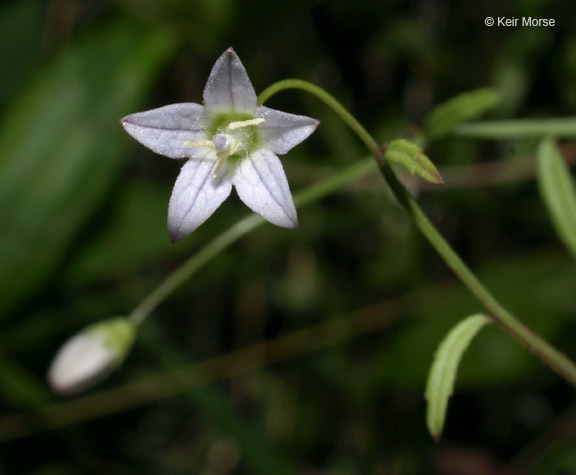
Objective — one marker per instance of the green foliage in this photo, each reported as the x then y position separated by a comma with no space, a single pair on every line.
442,375
518,128
60,148
19,43
466,106
301,351
412,157
557,190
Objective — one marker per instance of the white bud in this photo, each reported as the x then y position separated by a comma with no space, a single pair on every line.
91,355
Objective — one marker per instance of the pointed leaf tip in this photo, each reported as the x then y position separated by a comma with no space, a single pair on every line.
461,108
411,157
442,374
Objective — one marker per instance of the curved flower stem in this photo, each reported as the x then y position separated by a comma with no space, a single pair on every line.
333,103
538,346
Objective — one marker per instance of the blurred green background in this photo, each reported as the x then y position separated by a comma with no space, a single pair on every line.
83,237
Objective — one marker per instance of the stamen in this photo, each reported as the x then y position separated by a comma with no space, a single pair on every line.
202,143
245,123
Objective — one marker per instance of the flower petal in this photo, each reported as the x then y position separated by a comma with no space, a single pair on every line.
196,195
228,88
165,130
261,183
81,362
282,131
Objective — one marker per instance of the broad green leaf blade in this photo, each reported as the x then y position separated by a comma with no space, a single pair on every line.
520,128
61,147
444,367
411,156
557,190
467,106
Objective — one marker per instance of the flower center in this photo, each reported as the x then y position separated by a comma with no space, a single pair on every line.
241,127
224,144
234,136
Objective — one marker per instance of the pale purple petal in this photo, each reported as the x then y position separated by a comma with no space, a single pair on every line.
283,131
228,88
196,195
261,183
167,129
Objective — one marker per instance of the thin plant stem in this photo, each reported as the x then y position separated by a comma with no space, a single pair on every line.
511,129
556,360
182,273
193,376
356,126
241,228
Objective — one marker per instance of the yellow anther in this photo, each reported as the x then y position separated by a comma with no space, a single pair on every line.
245,123
201,143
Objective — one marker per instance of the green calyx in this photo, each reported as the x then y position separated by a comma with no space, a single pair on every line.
117,334
246,136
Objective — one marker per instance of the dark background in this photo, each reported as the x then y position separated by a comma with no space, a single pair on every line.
83,238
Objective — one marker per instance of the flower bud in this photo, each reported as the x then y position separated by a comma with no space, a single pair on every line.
91,355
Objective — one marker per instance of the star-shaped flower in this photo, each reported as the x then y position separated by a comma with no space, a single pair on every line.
227,141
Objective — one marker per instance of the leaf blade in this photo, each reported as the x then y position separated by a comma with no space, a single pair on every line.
411,157
517,128
466,106
442,373
557,190
61,147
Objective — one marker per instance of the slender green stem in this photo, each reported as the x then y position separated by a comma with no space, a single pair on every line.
242,227
507,129
182,273
542,349
333,103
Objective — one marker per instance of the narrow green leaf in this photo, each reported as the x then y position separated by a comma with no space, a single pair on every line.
518,128
557,190
467,106
411,156
444,367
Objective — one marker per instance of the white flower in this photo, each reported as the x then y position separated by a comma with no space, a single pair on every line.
228,141
91,355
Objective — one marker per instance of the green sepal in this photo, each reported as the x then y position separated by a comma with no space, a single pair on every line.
467,106
118,335
411,156
443,371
